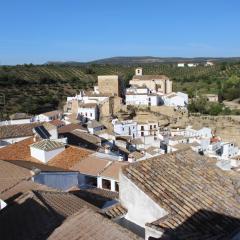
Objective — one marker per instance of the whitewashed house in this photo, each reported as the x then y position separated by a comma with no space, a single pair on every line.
198,132
178,99
88,111
181,64
148,128
192,64
125,128
209,63
46,149
18,118
94,126
228,150
49,116
142,97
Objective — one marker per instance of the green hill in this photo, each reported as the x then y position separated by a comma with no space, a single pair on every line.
38,88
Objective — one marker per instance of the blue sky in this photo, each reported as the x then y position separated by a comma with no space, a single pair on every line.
76,30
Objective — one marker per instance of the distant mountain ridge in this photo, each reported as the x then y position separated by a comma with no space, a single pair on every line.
146,60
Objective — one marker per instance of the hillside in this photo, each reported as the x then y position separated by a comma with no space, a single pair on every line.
146,60
37,88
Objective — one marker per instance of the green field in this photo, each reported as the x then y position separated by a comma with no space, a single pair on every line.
38,88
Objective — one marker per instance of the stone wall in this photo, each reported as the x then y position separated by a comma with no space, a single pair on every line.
109,84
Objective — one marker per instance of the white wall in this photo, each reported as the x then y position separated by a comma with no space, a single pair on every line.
89,113
142,100
2,204
141,208
54,133
147,129
7,141
45,156
93,130
16,121
124,128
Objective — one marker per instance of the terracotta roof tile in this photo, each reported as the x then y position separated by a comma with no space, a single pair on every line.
87,224
58,123
70,127
185,183
114,212
96,196
112,171
18,151
91,165
65,160
69,157
11,175
36,214
18,130
52,113
47,145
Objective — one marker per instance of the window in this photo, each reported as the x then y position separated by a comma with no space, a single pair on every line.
142,134
106,184
90,114
155,126
151,127
92,181
142,128
86,114
116,187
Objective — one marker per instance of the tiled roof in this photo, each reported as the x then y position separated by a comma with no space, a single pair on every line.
152,150
184,184
14,180
17,190
87,224
36,214
64,160
35,165
96,196
91,165
112,171
114,212
48,145
137,155
18,130
57,123
149,77
69,157
18,151
52,113
11,175
87,136
70,127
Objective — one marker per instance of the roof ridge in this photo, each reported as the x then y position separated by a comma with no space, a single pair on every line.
107,166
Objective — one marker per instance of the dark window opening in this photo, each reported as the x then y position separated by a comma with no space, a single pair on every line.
106,184
92,181
116,187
